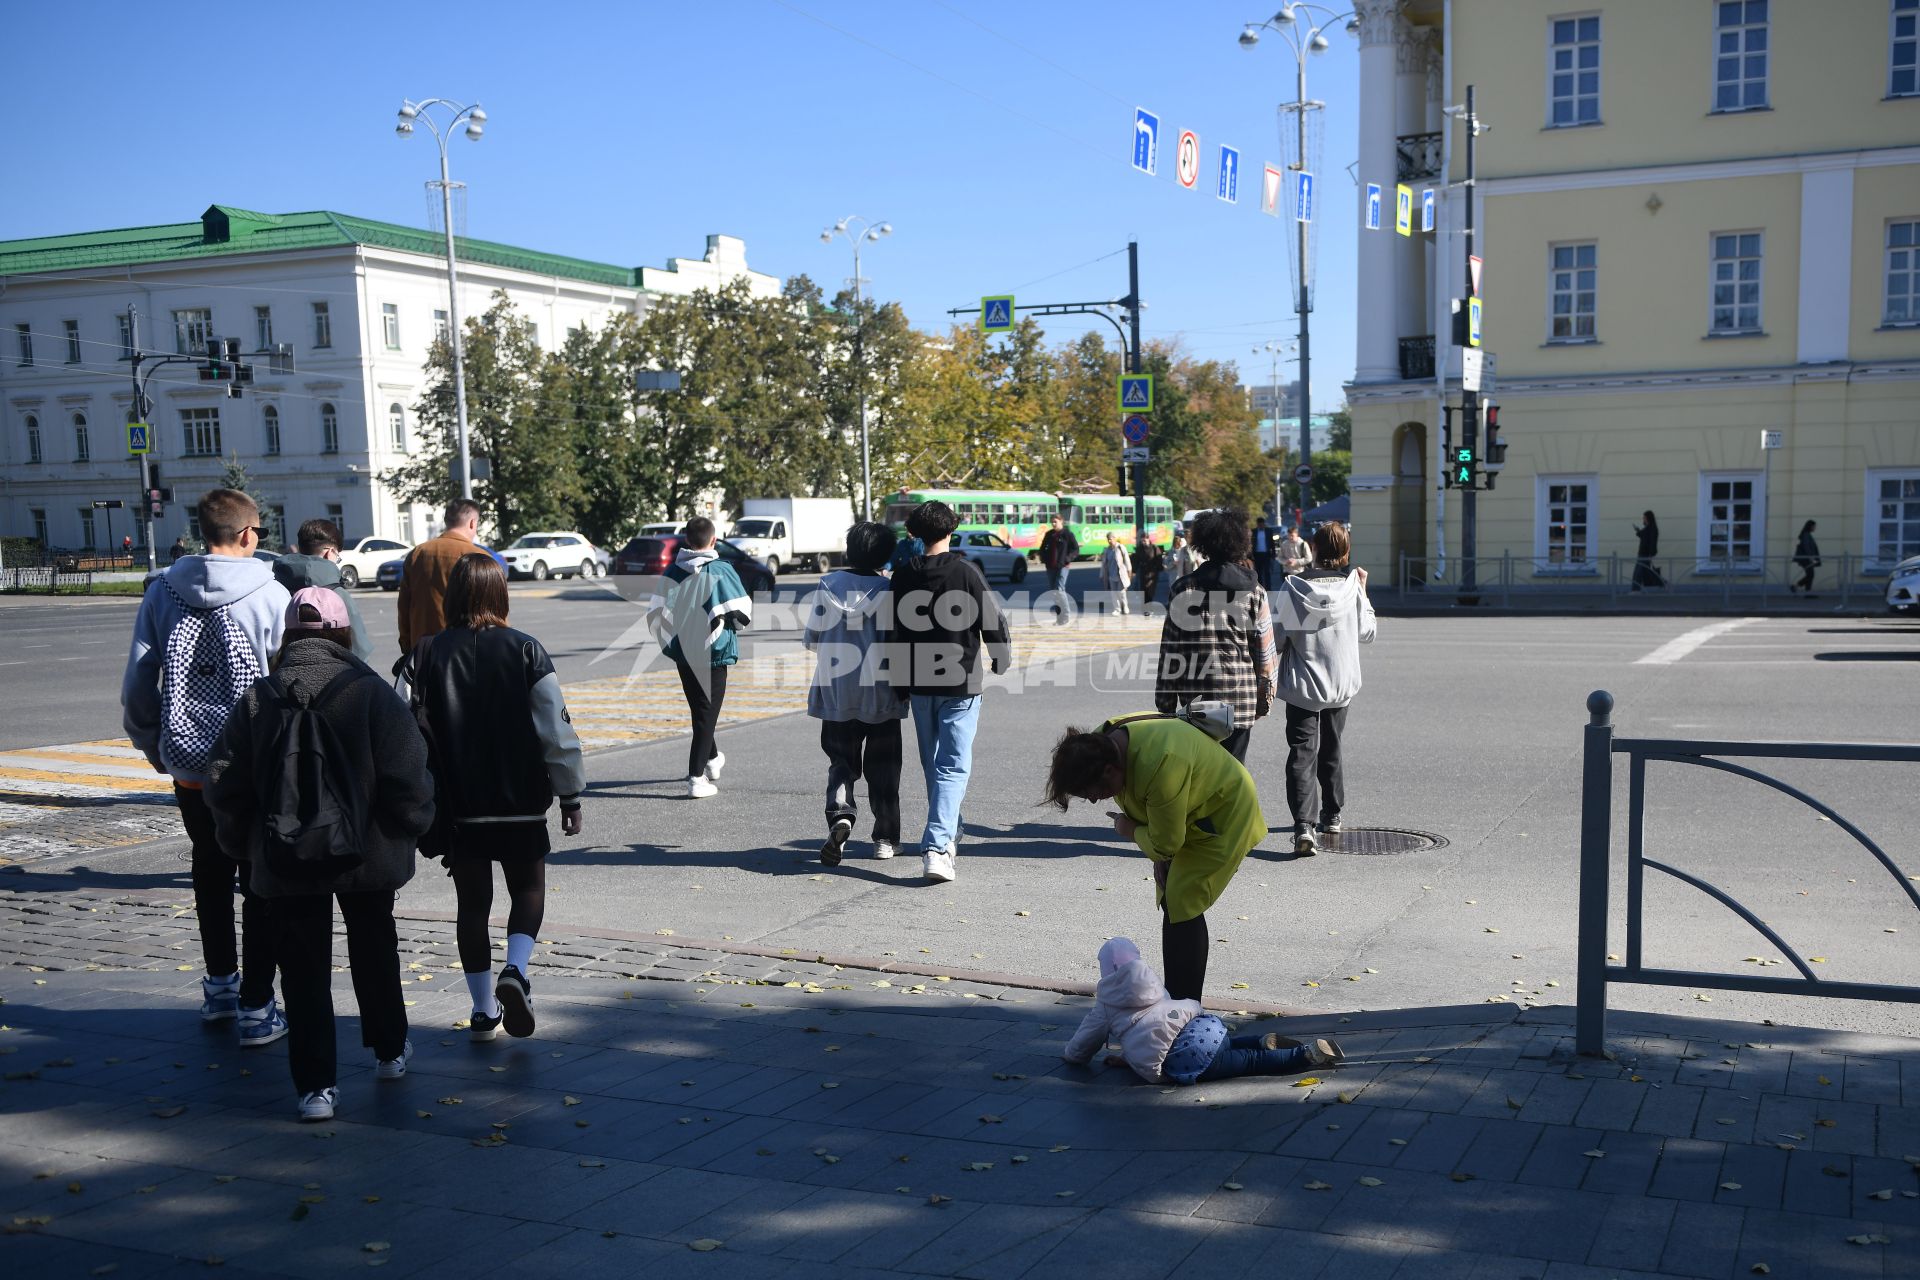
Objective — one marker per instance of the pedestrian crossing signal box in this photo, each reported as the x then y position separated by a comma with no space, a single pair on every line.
1462,468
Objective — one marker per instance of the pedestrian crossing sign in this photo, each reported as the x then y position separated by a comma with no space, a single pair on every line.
1136,393
1473,322
996,314
138,440
1403,209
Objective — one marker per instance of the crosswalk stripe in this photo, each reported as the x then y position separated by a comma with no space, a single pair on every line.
48,782
132,765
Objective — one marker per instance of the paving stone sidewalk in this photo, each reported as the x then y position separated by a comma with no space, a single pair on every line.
701,1111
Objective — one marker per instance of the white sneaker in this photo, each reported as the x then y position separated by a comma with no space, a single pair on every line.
318,1105
715,765
700,788
936,865
394,1068
885,849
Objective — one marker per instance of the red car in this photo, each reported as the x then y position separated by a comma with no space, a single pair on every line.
652,553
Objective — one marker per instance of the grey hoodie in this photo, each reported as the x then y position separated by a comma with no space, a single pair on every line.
294,571
842,627
1325,616
253,599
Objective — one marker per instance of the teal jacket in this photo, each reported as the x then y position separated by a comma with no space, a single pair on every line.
702,606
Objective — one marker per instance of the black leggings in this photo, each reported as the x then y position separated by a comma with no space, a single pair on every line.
473,889
1183,950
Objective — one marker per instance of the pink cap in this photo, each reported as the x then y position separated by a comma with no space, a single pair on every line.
317,609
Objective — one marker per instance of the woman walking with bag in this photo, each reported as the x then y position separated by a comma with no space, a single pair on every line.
1648,533
1326,617
326,813
1806,558
504,748
1217,641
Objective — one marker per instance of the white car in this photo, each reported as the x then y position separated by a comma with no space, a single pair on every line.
360,563
558,554
995,558
660,530
1903,586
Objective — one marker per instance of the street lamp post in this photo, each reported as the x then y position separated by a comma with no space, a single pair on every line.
1295,22
1274,350
476,121
866,231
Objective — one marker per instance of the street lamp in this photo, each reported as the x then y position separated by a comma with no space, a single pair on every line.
856,235
476,122
1296,24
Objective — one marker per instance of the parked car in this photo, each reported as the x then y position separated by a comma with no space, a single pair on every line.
554,554
651,556
1903,586
662,529
360,562
388,574
991,552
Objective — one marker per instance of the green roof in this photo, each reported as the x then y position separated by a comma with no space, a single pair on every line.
223,231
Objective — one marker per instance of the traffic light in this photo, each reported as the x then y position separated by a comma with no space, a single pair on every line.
217,368
1496,454
1123,479
1462,468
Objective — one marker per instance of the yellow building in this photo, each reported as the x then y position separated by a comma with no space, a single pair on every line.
1700,221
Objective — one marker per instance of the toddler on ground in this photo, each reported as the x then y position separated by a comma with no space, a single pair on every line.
1168,1041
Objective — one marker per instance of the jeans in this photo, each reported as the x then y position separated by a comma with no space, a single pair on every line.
1246,1056
214,875
1316,785
855,748
705,692
944,728
303,927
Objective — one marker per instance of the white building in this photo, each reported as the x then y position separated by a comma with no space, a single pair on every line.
361,302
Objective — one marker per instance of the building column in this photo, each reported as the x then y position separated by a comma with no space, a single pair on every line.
1410,117
1377,346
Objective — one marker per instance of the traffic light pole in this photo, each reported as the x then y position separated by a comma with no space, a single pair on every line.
1469,400
141,413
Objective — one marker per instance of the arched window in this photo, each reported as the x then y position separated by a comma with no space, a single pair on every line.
270,420
82,446
397,425
33,439
329,429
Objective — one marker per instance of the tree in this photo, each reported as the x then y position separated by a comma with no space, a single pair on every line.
235,476
1341,436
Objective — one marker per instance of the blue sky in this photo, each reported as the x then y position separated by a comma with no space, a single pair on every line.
996,139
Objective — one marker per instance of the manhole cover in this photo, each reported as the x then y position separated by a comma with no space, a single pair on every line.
1374,841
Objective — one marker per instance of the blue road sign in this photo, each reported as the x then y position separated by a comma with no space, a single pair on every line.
1426,209
1146,140
1136,393
1373,206
1134,429
1303,197
1474,316
1229,185
996,314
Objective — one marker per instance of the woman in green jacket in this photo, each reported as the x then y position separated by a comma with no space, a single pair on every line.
1189,806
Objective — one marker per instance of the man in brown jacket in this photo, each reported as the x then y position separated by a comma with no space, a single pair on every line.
423,582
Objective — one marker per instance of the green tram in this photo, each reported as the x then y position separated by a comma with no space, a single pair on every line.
1019,519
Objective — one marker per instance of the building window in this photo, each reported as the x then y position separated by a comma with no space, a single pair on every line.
1736,282
337,515
397,426
1903,272
1732,519
1903,57
439,326
270,420
1563,523
263,328
73,341
86,527
193,523
82,445
191,329
1571,286
200,428
322,326
1573,77
390,322
329,430
1739,55
33,439
126,336
39,525
25,334
276,524
1893,516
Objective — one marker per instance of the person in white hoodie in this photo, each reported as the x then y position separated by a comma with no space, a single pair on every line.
205,631
1168,1041
859,710
1325,616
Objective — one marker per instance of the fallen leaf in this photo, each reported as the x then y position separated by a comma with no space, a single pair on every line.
1023,913
1886,1194
1460,1177
1307,1082
1396,1142
1596,1154
1231,1186
990,1120
569,1101
1064,1147
1021,1159
1062,1195
1821,1080
1317,1185
1818,959
707,1245
376,1246
168,1113
1729,1186
593,1164
937,1198
977,1166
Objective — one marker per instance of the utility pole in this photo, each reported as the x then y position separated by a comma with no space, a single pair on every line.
1469,400
1306,315
142,412
1133,366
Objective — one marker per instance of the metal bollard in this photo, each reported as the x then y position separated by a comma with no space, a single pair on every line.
1596,816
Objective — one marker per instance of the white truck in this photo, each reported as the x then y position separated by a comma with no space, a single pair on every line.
790,533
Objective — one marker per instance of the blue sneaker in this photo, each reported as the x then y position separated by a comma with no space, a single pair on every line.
261,1026
219,998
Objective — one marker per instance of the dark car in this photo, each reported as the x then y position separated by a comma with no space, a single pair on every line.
652,554
389,574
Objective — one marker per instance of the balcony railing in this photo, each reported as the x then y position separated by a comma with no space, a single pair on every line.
1418,156
1416,358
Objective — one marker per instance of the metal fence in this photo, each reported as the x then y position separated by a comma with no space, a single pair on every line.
1844,580
1596,865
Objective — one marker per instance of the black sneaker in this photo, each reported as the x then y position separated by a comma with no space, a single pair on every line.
1330,824
837,838
515,995
483,1028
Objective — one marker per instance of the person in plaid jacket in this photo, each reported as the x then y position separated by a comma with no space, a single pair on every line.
1217,641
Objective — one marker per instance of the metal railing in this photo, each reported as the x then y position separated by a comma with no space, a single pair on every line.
1844,580
1416,156
1416,358
1596,865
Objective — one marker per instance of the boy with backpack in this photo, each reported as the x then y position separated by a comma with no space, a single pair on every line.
703,605
320,782
204,633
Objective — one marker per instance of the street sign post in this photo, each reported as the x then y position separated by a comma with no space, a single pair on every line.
139,439
1768,440
1186,159
1135,428
1146,141
1472,366
1403,208
1373,206
1136,393
1228,187
1135,455
996,314
1303,196
1303,474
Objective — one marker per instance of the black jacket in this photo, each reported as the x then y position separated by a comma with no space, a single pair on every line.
374,726
1058,548
933,642
503,742
1649,540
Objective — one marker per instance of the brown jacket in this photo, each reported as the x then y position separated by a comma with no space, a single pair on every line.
423,587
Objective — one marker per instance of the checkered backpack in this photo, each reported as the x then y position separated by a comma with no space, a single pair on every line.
209,666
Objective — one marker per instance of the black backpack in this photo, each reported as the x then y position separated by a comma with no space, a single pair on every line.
313,809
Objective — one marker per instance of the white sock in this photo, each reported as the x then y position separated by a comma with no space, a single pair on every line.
480,987
519,950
